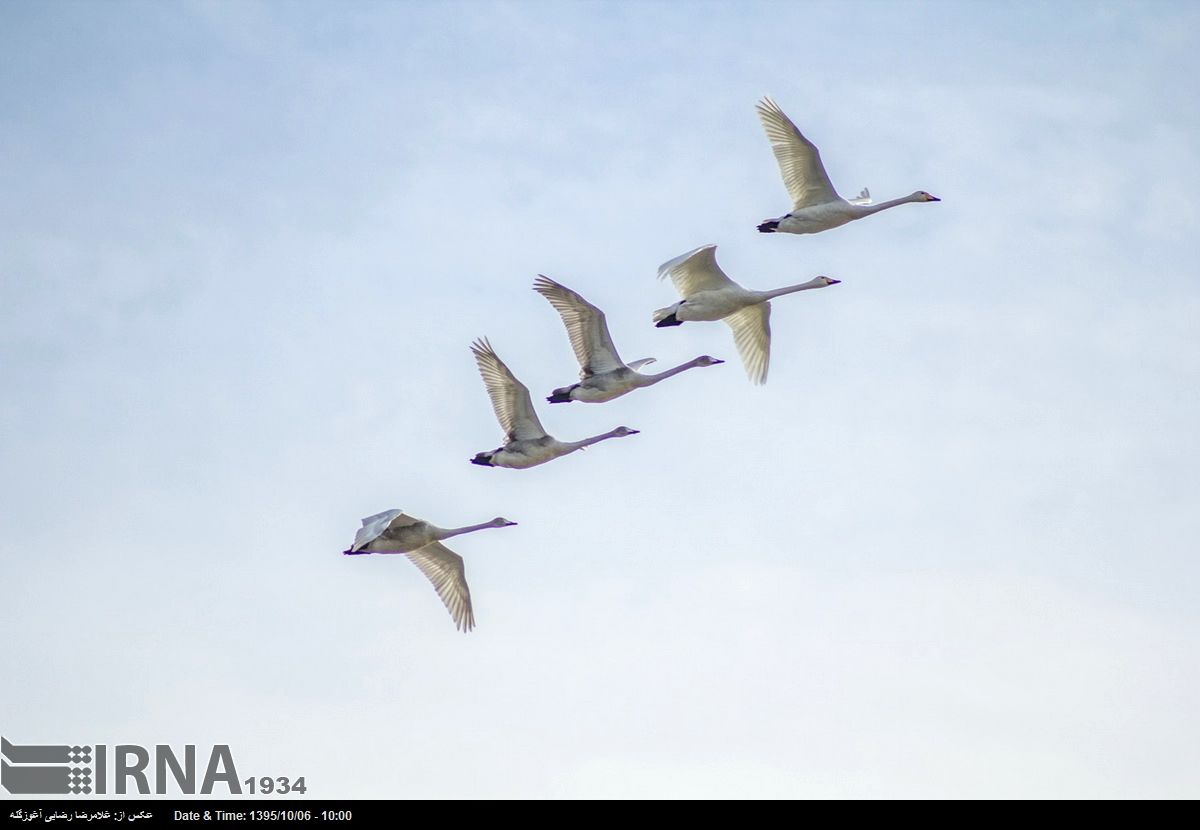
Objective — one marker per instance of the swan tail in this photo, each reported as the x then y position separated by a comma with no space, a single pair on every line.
666,316
770,226
562,395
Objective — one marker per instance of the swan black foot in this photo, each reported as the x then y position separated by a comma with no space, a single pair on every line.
484,459
769,226
672,320
561,395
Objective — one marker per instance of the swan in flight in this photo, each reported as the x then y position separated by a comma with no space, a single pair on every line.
708,294
816,205
394,532
526,442
602,374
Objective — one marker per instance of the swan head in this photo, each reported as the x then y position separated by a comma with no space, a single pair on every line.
621,432
922,196
824,281
499,521
705,360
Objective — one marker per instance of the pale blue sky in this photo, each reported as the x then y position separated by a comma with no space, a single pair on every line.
949,549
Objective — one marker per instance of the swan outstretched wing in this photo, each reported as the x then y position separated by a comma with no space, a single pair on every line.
374,526
510,398
444,569
586,327
863,198
752,334
696,271
799,159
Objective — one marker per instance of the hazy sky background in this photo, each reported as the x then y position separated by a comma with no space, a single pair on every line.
949,550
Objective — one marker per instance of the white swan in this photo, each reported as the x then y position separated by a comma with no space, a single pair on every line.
708,294
527,443
602,374
394,532
816,205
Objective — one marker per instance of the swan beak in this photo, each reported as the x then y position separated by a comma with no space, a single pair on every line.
832,281
510,524
934,199
634,431
717,360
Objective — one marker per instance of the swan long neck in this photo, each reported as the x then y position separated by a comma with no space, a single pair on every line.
595,439
446,533
789,289
650,379
867,210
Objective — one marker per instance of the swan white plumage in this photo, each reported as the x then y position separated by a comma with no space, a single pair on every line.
392,531
816,205
602,374
527,443
709,294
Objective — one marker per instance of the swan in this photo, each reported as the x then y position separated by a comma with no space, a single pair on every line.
392,531
708,294
816,205
602,374
527,443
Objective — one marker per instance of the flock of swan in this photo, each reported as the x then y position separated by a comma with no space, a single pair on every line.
707,293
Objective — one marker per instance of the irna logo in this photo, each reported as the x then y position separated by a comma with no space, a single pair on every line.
122,769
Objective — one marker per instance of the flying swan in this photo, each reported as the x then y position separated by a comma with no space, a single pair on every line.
602,374
708,294
394,532
816,205
526,441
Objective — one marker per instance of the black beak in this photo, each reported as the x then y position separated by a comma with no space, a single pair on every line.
834,282
934,199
